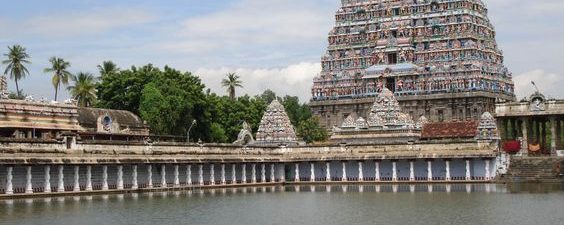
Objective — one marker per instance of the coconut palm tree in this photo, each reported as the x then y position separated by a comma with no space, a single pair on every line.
17,57
59,68
107,67
231,82
83,89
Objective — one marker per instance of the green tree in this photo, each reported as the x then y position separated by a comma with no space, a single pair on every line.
84,89
108,67
59,68
218,133
169,100
310,130
153,108
17,57
231,83
296,112
268,95
123,90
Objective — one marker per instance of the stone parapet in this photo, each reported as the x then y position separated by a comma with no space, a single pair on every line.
92,153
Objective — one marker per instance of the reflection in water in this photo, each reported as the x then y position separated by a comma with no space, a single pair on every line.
402,204
393,188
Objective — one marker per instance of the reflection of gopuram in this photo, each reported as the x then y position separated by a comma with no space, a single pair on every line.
439,58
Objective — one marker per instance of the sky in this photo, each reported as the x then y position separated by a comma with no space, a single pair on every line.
271,44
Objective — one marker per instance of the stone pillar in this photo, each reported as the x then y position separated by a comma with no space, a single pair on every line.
297,172
244,174
447,164
553,135
188,174
28,185
254,173
105,178
430,170
76,181
176,176
233,173
163,176
312,172
134,184
525,131
201,174
344,177
394,171
9,177
487,175
150,176
377,170
47,184
411,170
360,173
263,173
222,173
281,172
272,176
89,178
468,175
61,183
120,177
212,174
328,171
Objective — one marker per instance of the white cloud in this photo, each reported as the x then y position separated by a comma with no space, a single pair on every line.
549,84
74,23
292,80
250,24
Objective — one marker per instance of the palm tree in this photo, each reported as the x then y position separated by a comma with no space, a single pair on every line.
231,82
84,89
59,68
107,67
17,57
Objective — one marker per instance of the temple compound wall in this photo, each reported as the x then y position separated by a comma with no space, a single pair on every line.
42,168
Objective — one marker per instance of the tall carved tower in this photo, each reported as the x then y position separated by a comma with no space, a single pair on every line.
439,58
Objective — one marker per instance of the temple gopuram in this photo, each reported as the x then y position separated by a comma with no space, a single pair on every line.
439,58
275,127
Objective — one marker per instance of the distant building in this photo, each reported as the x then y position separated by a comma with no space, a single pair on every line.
31,119
440,58
532,125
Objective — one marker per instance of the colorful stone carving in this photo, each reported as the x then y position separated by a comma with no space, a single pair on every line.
3,88
275,126
385,114
449,45
487,128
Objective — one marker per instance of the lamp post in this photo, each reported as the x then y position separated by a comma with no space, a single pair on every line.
190,128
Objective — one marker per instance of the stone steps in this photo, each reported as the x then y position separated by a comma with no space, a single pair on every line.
537,169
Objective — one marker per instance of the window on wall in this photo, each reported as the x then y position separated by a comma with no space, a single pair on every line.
392,58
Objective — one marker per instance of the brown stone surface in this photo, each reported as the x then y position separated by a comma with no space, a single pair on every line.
464,129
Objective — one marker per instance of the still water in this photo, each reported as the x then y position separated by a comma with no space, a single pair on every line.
327,205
